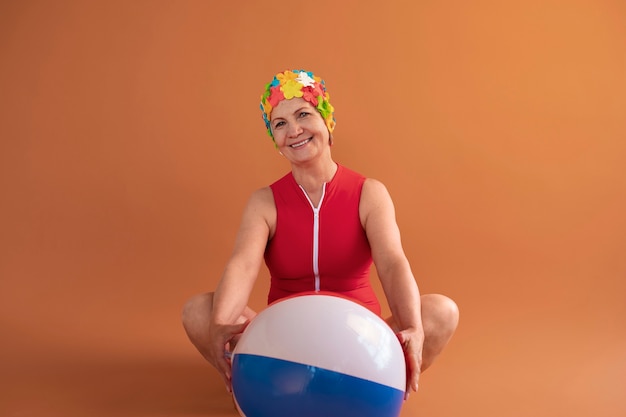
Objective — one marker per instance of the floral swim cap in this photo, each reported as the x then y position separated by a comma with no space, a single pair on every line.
297,83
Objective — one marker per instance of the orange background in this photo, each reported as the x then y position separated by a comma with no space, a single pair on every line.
131,139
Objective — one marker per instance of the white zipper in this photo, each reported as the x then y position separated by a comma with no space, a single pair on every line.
316,235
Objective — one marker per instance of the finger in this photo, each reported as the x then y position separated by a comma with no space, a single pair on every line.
224,370
413,383
401,338
409,375
409,356
412,370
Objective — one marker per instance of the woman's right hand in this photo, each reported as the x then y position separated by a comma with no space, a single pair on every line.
220,336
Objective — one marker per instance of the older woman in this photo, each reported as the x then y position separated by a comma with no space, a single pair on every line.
319,228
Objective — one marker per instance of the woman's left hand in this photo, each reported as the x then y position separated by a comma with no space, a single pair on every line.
412,345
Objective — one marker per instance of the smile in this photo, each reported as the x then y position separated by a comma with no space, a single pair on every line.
300,144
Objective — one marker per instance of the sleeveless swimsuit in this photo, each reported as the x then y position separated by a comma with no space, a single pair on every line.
322,248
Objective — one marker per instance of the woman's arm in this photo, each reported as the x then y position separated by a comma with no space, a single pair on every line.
240,273
378,218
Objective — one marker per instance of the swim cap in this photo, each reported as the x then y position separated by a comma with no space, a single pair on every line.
298,83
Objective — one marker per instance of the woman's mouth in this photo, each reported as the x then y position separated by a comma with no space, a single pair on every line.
300,144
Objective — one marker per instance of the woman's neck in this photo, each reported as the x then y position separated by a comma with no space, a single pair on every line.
312,176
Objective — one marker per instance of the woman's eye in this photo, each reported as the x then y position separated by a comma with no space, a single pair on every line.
304,114
278,124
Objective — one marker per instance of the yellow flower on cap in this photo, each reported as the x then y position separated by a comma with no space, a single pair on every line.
291,89
298,83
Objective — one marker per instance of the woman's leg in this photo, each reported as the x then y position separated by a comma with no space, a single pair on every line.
440,317
196,318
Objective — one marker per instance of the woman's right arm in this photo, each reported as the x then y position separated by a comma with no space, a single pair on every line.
237,281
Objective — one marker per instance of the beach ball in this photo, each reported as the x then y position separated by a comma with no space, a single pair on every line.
318,355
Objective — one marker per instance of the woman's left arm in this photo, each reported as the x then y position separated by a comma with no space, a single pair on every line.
378,217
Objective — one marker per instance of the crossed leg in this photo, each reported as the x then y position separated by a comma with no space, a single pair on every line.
440,317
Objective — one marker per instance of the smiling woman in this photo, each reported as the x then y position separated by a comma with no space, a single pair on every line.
319,228
295,84
299,131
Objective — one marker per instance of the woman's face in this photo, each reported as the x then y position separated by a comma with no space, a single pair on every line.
299,130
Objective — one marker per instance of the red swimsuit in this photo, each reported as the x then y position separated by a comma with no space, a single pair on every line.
324,248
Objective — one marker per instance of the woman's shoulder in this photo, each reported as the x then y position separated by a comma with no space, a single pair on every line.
371,187
261,197
348,172
373,182
374,193
261,208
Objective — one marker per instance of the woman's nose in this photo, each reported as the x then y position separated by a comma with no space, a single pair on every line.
294,129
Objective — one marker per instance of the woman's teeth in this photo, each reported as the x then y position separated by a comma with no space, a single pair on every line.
299,144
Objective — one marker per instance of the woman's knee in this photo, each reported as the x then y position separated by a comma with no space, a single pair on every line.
198,305
440,312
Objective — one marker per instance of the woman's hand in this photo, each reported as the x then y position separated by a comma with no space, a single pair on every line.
220,336
412,343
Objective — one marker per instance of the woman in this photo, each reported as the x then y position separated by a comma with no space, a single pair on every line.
318,228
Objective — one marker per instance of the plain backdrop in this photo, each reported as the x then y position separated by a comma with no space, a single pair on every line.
131,138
